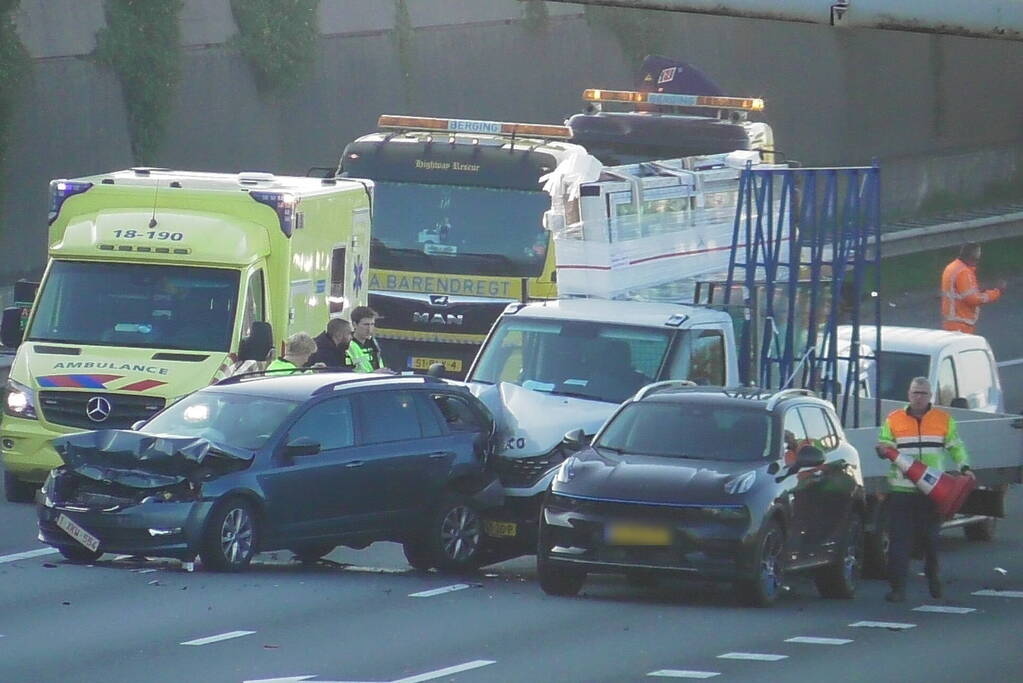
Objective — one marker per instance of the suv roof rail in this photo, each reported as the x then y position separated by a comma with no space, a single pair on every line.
662,386
283,372
788,393
372,377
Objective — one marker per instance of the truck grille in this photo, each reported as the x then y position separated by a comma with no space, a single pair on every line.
70,408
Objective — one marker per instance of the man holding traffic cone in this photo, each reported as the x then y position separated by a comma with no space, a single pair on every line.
926,433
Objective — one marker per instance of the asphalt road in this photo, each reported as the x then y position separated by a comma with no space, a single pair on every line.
357,617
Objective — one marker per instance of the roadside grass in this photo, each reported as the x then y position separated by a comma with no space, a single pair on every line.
922,270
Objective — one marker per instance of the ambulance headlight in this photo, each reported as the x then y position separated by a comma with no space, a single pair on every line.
20,401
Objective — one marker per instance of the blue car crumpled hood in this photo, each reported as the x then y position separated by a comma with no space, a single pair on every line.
137,460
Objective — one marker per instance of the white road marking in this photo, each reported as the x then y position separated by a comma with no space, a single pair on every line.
682,673
999,594
882,624
27,555
944,609
753,656
440,673
1007,363
286,679
440,591
810,640
217,638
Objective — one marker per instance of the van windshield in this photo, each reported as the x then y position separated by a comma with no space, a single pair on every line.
143,306
898,370
597,361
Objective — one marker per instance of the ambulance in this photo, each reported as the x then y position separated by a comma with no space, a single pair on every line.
160,282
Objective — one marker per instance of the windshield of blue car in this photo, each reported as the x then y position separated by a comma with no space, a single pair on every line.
136,305
597,361
458,230
231,419
673,429
897,370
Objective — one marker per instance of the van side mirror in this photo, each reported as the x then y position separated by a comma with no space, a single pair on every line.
574,440
301,446
959,402
809,456
259,342
137,424
10,327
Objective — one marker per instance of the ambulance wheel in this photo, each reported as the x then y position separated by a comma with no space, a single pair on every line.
981,531
18,491
79,554
838,580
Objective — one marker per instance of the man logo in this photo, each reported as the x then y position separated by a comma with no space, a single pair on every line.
98,409
436,319
439,300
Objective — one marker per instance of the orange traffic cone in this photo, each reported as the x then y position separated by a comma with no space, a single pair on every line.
948,491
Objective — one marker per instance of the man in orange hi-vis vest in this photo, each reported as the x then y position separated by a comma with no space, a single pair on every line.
961,298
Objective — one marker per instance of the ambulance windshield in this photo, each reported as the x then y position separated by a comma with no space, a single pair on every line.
459,230
145,306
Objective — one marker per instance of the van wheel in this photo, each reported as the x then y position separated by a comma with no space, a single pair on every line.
838,580
763,589
981,531
309,554
230,539
454,535
79,554
18,491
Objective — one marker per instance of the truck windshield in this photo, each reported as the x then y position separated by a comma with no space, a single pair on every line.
898,370
459,230
685,430
597,361
144,306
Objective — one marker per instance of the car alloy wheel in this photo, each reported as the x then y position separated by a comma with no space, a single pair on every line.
231,536
839,579
456,535
762,590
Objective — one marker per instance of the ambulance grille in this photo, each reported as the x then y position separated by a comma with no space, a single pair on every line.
69,408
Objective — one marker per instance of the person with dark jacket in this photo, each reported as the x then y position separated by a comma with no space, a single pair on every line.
332,346
363,350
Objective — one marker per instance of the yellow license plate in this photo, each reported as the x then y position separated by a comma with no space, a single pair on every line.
636,534
500,529
421,363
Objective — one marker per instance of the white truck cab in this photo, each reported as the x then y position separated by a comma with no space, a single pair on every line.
961,366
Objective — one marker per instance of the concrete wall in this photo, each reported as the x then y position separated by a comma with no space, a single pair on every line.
938,112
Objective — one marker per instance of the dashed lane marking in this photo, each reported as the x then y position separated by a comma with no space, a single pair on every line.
441,673
27,555
753,656
810,640
440,591
999,594
217,638
944,609
894,625
683,673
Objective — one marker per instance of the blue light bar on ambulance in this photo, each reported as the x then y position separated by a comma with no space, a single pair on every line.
60,190
673,100
471,127
281,202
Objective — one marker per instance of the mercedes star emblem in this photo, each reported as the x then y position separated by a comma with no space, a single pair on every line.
98,408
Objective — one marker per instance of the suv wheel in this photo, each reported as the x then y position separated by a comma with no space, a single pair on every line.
418,555
229,541
875,547
79,554
555,579
18,491
838,580
454,536
763,589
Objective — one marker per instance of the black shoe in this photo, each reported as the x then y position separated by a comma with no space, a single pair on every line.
934,585
895,595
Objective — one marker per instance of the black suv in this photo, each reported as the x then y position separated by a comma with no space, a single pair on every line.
737,485
304,462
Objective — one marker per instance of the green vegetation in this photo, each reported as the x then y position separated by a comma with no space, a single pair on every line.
922,270
15,70
278,37
404,43
142,44
535,17
639,32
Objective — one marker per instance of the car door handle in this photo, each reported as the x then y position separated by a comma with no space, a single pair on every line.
355,463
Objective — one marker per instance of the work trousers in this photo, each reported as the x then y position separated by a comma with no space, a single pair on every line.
912,520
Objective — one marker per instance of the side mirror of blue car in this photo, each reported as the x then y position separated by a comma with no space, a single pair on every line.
301,446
